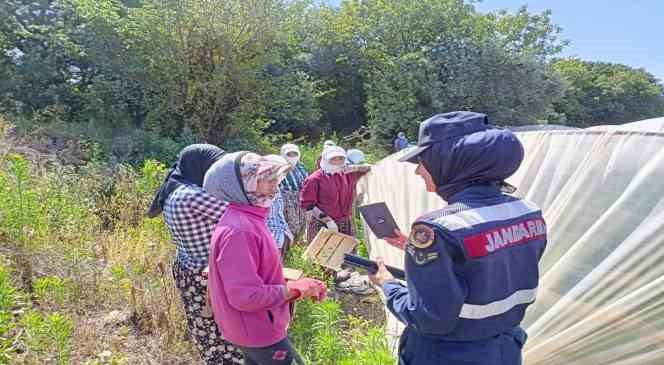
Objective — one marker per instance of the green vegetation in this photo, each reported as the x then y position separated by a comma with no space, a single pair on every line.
139,79
604,93
76,247
115,88
39,337
325,335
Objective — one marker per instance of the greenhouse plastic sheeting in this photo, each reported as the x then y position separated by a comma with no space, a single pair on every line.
648,125
601,292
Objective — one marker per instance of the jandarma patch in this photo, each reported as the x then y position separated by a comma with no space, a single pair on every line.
423,258
421,236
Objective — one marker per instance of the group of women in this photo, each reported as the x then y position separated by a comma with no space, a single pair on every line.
231,217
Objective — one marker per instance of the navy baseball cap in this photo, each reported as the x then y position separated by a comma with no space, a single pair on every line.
443,127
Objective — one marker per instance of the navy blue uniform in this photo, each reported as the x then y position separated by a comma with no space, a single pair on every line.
471,272
471,267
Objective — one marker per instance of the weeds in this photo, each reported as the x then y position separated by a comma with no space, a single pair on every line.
30,336
89,251
10,301
52,291
48,336
327,335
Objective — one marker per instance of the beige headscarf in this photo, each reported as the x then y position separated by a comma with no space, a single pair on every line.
255,168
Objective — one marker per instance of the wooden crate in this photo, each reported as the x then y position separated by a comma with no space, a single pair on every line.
329,247
292,274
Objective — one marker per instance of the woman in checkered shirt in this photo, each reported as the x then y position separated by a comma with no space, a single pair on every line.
191,215
290,190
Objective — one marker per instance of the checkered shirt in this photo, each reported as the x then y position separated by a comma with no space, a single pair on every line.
191,215
276,221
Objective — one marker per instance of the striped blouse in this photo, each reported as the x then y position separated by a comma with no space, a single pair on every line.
295,179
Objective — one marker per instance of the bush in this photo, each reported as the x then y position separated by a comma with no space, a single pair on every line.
10,300
31,336
48,336
325,335
85,233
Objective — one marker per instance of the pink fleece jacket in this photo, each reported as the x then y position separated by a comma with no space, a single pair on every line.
246,279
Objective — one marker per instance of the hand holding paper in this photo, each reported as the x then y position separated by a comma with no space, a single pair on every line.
379,219
398,241
332,226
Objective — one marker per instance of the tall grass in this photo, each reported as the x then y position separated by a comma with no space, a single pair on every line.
75,245
326,335
79,241
29,336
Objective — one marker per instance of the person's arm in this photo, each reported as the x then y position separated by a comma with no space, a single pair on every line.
433,299
361,169
303,174
309,193
202,203
281,218
356,172
309,202
276,221
309,199
237,265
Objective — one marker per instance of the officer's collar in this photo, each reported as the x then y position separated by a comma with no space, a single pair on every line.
476,192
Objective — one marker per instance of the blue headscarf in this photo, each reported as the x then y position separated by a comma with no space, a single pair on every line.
484,157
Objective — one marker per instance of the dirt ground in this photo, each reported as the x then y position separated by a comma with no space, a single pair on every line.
368,307
123,343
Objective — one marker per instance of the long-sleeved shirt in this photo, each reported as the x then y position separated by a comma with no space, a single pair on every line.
276,221
471,267
191,215
331,193
295,178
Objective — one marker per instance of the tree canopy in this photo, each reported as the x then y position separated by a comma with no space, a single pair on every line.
606,93
244,73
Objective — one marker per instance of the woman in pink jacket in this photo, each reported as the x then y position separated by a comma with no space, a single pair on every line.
250,297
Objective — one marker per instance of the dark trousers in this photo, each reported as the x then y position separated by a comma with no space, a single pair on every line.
504,349
281,353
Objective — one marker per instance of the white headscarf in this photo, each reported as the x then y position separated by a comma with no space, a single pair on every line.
328,154
288,148
329,143
355,156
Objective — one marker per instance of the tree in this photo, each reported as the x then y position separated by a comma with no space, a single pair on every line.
140,74
431,56
335,60
222,70
607,93
39,61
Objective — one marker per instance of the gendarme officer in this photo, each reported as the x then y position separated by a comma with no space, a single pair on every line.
471,267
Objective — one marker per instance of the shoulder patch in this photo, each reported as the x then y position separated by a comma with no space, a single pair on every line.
422,236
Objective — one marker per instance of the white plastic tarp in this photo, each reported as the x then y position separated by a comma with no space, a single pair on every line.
601,294
647,125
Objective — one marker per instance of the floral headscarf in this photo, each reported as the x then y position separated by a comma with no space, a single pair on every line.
255,168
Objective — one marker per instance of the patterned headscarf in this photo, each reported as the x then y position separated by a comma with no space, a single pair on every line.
255,168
